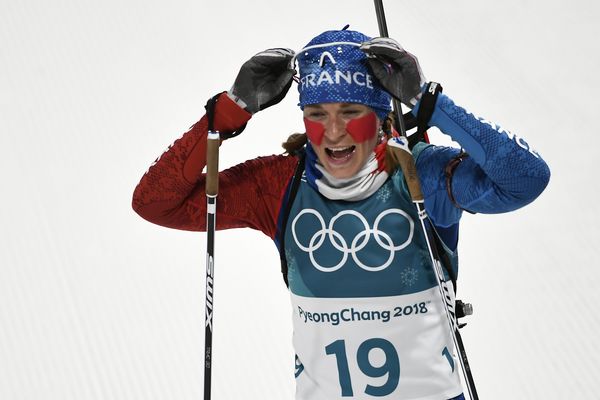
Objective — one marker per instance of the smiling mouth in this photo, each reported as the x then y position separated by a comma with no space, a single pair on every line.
340,153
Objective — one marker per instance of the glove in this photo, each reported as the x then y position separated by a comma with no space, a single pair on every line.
397,70
263,80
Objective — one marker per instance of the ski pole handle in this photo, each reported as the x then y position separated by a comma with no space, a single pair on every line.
212,164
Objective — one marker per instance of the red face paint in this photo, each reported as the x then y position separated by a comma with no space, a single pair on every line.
360,129
363,128
315,131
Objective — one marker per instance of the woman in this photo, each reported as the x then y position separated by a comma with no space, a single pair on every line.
368,317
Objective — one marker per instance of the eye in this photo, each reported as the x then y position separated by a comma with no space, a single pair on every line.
315,114
351,112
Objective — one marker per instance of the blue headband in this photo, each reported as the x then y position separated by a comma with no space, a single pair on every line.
333,70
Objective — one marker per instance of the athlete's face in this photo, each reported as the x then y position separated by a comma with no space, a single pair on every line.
343,135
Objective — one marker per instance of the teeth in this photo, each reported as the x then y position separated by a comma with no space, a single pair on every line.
341,152
339,148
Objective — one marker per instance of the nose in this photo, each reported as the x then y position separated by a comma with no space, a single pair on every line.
335,129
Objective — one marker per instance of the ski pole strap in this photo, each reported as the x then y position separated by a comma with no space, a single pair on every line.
210,107
286,213
426,109
410,122
210,111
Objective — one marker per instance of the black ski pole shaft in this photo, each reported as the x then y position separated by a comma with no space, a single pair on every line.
381,21
383,32
404,158
212,189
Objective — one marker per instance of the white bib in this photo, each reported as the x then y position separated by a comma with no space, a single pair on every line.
395,347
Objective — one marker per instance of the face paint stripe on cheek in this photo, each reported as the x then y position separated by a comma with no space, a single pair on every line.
314,130
363,128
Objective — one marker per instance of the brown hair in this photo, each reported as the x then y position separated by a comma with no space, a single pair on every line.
294,142
390,160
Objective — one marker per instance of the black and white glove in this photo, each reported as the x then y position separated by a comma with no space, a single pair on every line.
397,70
263,80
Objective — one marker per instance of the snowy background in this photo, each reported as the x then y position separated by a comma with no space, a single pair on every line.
98,304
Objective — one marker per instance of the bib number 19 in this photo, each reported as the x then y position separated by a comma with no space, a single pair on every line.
390,366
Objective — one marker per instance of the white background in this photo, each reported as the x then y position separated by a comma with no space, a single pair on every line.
96,303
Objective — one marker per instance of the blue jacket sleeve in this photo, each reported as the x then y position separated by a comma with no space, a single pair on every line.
501,174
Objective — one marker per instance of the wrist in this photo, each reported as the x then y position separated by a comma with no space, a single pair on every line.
427,103
241,103
229,115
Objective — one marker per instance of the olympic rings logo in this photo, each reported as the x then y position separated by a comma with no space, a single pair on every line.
327,231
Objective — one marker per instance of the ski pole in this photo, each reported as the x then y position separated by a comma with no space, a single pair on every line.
404,158
383,31
212,189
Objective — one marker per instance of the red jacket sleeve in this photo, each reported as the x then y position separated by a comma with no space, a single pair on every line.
171,193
